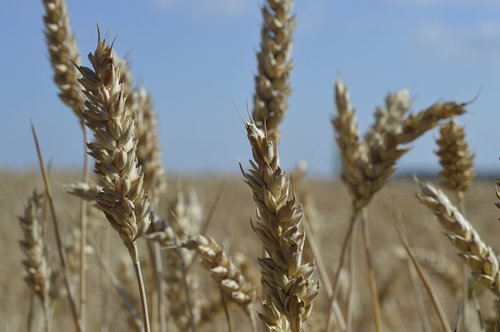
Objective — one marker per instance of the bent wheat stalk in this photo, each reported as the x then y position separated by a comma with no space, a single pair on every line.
122,198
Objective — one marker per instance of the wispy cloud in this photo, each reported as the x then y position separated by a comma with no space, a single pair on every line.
226,8
479,43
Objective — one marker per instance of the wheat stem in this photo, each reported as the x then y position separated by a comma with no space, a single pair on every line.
83,235
322,272
352,277
142,290
62,254
336,284
371,273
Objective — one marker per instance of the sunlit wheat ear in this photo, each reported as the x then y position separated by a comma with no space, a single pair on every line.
122,197
62,51
38,272
475,252
272,85
289,287
455,157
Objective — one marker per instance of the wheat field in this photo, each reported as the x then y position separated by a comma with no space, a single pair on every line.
231,227
127,246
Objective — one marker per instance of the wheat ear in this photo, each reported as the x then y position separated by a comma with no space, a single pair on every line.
368,164
455,157
122,197
228,276
272,86
38,272
473,250
289,288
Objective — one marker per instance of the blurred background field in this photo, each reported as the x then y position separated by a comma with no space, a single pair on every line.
231,227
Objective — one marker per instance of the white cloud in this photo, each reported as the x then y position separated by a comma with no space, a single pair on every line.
479,43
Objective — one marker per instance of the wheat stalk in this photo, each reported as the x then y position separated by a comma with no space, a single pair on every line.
272,86
473,250
38,271
289,288
122,198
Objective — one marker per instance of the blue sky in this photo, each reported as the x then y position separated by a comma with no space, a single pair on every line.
197,58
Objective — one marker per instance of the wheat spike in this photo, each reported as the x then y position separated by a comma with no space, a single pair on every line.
475,252
289,288
388,117
38,272
63,51
367,165
455,157
148,148
272,86
352,150
122,197
231,280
